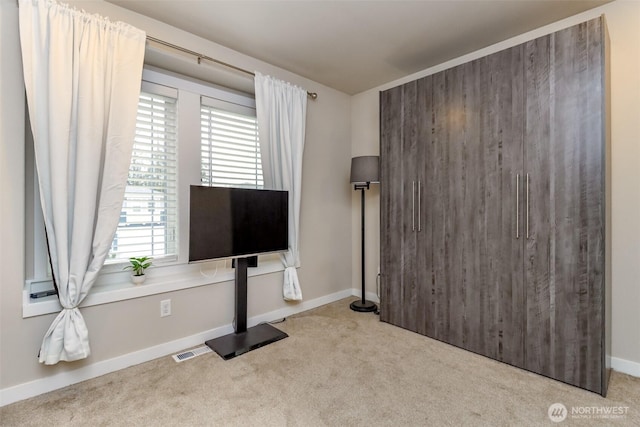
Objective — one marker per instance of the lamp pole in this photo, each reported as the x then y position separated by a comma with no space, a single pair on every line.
363,305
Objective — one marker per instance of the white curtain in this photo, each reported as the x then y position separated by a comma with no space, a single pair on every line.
281,109
82,76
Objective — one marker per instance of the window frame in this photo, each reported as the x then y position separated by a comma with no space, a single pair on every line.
168,273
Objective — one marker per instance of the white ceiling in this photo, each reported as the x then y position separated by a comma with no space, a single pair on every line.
353,45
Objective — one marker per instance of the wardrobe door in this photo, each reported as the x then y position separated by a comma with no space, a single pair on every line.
391,203
475,285
398,202
427,194
493,242
445,213
564,187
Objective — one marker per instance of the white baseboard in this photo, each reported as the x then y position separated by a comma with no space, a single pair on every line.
625,366
44,385
369,296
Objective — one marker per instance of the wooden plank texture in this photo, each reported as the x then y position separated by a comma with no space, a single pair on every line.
564,265
408,285
477,129
391,207
427,196
497,267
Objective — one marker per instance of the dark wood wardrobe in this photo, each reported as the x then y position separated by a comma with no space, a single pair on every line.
495,206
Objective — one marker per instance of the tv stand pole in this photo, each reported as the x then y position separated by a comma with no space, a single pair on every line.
243,339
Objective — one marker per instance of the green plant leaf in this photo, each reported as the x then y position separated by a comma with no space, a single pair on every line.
139,265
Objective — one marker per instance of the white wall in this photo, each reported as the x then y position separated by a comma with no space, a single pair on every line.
623,19
134,327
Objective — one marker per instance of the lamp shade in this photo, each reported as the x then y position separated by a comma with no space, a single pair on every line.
365,169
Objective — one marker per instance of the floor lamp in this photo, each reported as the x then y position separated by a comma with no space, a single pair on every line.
364,171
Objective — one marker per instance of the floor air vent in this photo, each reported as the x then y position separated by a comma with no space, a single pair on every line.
190,354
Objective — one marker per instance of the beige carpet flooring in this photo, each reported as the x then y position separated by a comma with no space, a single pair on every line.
337,368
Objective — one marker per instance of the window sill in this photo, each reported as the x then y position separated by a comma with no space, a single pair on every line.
125,290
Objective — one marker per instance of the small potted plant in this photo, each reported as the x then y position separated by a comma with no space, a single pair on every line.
138,265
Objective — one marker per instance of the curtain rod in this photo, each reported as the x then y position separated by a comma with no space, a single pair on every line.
312,95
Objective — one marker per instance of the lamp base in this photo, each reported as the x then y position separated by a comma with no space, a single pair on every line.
363,306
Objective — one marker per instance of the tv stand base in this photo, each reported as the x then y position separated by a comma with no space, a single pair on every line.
243,339
237,343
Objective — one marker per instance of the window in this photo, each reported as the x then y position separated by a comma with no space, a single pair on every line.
230,152
188,133
148,221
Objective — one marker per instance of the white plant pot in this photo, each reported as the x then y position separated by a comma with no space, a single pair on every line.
138,280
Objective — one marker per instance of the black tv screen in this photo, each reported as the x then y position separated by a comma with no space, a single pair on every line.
232,222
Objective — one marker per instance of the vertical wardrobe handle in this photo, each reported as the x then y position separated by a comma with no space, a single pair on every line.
527,219
419,221
413,206
517,206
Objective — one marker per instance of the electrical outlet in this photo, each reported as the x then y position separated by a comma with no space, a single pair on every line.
165,308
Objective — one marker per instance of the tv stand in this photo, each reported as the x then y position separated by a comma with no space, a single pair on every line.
243,339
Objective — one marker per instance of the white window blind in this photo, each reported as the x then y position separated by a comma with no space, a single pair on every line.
230,152
148,220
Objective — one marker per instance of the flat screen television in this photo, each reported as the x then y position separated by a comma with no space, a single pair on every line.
236,222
